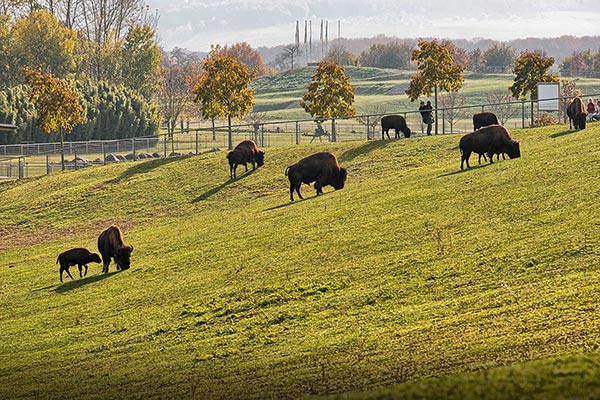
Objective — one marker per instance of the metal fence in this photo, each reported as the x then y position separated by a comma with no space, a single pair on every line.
32,159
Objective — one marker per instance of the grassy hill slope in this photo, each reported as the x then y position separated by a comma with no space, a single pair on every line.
449,283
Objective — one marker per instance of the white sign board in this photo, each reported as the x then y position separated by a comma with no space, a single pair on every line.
548,94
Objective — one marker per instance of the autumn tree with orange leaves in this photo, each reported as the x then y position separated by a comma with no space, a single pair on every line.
57,104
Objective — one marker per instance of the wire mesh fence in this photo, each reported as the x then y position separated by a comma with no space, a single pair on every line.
32,159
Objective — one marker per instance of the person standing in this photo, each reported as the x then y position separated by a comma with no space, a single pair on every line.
426,115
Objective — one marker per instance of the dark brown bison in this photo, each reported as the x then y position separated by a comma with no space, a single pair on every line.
245,152
112,245
577,113
395,122
321,168
490,140
484,119
77,256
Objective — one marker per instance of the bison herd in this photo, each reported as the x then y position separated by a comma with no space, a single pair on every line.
488,138
111,246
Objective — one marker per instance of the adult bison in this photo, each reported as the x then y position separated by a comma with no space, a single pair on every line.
244,153
321,168
490,140
577,113
395,122
484,119
112,245
77,256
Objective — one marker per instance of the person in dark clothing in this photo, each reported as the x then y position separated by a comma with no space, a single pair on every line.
426,116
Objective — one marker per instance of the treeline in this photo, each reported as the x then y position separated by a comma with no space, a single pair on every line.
106,50
112,112
583,63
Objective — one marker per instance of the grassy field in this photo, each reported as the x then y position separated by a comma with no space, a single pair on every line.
417,280
377,90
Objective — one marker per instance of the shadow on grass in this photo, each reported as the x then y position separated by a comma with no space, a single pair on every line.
147,166
77,283
461,171
222,186
563,133
291,203
364,149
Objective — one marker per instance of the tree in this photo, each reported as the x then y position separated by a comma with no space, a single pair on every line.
223,88
531,68
452,103
5,50
248,56
437,69
57,104
141,59
390,55
41,41
176,85
339,55
476,61
499,57
503,105
290,52
329,94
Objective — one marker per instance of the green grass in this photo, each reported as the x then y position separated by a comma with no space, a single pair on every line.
416,280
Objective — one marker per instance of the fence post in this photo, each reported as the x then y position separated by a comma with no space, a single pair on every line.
47,165
523,113
444,121
133,147
21,167
196,139
297,132
333,135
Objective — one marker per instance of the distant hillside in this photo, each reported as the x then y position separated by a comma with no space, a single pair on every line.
558,48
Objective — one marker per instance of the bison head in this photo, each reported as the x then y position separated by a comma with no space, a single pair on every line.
513,149
406,131
95,258
122,257
580,120
338,183
260,158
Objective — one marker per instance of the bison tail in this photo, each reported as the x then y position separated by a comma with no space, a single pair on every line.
286,171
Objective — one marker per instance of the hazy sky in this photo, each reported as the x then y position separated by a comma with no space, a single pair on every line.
196,24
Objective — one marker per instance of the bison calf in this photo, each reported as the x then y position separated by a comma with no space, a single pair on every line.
244,153
112,245
321,168
78,256
484,119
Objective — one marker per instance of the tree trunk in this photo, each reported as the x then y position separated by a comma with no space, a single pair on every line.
436,108
62,149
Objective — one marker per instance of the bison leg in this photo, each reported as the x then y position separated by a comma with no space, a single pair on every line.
465,157
385,132
105,264
491,156
67,270
296,187
80,268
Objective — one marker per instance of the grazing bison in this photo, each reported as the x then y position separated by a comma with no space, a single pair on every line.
245,152
490,140
77,256
484,119
112,245
577,113
396,122
321,168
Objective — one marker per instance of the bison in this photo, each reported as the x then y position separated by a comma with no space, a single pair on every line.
396,122
77,256
321,168
484,119
490,140
112,245
577,114
245,152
